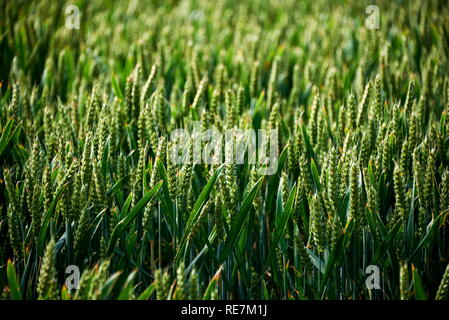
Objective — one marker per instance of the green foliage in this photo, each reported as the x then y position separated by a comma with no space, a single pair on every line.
86,117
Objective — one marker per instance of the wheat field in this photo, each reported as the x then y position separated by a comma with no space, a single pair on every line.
91,93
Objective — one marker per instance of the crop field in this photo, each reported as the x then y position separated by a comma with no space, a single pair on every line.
347,199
